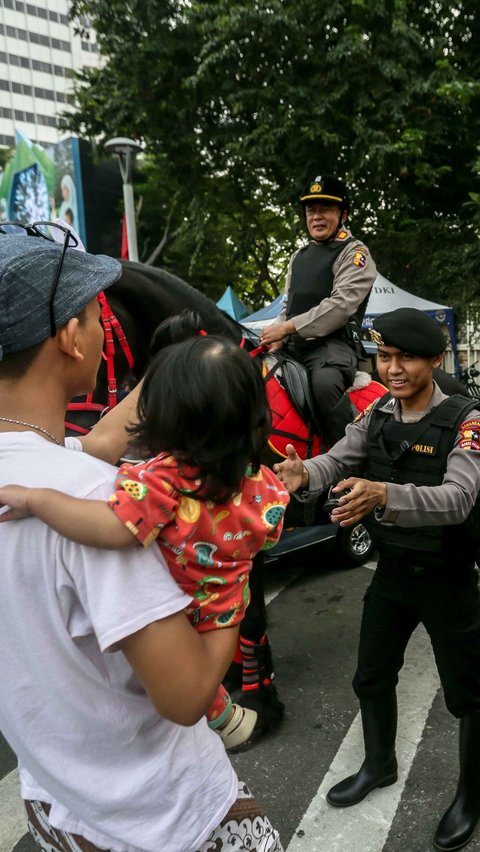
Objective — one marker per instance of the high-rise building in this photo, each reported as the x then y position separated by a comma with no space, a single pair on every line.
38,51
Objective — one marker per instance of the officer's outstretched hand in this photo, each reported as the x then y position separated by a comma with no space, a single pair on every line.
364,496
292,471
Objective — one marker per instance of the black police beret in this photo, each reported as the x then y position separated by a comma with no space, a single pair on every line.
326,189
409,330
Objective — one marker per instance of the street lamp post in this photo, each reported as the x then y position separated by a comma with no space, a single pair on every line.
125,149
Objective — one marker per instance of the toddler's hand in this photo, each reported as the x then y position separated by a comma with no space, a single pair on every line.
13,503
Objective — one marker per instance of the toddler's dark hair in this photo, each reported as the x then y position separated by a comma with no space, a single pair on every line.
203,400
175,329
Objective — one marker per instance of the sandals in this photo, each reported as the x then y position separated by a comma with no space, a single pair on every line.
239,729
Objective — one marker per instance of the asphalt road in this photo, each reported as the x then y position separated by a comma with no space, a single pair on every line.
314,614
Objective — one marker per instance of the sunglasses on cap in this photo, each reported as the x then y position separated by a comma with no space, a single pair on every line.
53,232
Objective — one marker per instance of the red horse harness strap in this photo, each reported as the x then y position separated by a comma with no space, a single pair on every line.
111,325
112,329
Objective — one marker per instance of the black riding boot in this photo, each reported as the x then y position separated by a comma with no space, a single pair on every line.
458,822
379,769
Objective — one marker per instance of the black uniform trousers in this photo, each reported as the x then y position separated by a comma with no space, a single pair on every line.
445,600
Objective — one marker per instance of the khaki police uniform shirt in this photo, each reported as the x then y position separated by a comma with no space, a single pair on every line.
408,505
354,272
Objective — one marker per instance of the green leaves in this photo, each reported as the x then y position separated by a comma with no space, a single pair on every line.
239,102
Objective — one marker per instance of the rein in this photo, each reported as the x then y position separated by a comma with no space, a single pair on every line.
112,329
260,350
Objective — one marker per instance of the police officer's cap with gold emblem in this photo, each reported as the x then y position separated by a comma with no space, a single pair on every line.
326,189
409,330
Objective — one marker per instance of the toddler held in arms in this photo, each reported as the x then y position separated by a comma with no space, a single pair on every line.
204,495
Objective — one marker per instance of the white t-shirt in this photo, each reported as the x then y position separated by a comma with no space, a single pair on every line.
88,739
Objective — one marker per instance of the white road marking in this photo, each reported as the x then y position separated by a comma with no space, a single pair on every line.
12,814
275,587
366,825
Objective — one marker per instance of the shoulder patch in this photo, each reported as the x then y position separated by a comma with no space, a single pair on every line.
359,259
469,435
364,412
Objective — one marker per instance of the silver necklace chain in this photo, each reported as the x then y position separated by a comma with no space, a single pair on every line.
32,426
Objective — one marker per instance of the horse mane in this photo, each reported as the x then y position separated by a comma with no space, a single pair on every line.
164,294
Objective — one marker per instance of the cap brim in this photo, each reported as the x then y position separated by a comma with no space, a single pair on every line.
335,199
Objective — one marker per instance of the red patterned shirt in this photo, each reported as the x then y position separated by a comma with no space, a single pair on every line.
208,546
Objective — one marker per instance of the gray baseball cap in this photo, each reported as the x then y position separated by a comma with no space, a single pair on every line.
27,274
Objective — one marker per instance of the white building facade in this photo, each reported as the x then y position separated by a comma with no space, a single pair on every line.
38,51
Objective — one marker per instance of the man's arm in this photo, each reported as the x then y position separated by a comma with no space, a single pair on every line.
179,668
315,475
109,439
418,505
135,606
347,455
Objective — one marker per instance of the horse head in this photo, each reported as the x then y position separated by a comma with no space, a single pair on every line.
140,300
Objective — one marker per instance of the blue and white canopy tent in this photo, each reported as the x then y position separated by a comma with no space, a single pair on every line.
384,297
266,314
231,304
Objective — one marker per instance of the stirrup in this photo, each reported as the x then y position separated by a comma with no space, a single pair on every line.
240,727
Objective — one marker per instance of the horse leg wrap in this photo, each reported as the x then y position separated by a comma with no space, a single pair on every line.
258,692
257,663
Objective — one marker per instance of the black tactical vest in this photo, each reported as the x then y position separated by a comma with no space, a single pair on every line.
312,281
417,453
312,276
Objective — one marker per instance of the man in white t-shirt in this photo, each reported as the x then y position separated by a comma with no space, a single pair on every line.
104,680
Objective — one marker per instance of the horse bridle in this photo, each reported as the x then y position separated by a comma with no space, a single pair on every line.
112,329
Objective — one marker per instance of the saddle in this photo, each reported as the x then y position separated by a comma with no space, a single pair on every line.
291,405
294,419
294,378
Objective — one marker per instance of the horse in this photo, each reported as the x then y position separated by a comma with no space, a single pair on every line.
142,298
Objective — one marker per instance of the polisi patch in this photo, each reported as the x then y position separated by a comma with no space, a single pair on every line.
423,449
469,435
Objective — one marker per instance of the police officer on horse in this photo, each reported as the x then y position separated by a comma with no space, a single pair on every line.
327,288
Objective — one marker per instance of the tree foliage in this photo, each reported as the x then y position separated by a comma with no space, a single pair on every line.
238,103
